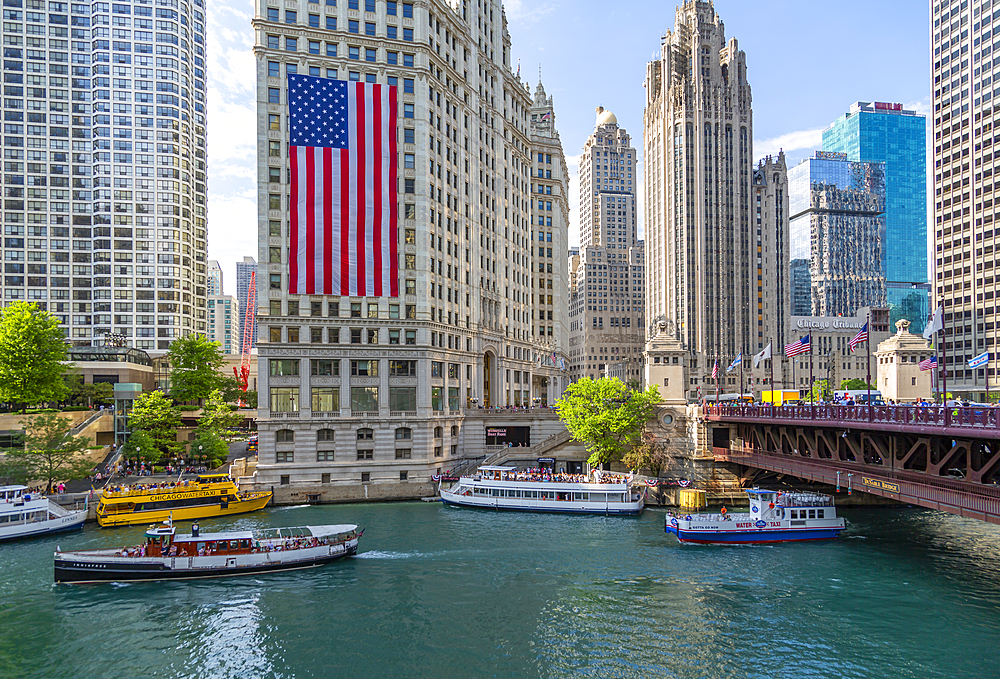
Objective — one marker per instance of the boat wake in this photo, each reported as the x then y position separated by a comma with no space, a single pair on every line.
279,509
378,554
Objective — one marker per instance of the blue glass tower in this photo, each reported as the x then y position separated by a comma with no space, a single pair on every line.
886,133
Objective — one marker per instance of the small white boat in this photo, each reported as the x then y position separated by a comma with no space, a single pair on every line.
534,491
24,514
773,517
166,555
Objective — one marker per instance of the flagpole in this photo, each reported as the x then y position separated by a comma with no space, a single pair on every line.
812,397
741,379
944,366
868,345
717,372
770,360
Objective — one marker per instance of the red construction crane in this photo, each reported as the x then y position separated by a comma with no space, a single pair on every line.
249,319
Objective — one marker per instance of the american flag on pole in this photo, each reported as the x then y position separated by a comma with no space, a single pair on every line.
715,369
799,346
928,363
862,336
343,205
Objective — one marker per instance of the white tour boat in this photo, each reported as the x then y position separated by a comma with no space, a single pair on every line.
24,514
166,555
774,516
540,491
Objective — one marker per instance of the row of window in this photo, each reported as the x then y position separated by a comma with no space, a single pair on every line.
363,399
321,367
293,334
363,434
361,454
392,8
330,49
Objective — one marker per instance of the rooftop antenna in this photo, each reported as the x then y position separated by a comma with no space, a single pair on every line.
539,74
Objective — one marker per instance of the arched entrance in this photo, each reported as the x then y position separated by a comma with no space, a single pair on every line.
488,361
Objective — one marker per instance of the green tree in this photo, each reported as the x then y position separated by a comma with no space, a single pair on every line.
856,383
32,356
217,415
208,444
50,452
606,416
154,415
819,391
86,394
648,453
195,368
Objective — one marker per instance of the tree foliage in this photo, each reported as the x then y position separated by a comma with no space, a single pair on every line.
88,394
154,415
819,391
32,355
606,416
648,453
856,383
50,452
195,368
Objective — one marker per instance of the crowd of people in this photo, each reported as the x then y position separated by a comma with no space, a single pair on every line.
146,487
546,475
208,549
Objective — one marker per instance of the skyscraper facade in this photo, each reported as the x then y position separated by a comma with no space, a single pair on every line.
837,209
244,270
801,288
550,236
607,318
214,278
390,379
965,111
104,166
224,323
888,133
705,278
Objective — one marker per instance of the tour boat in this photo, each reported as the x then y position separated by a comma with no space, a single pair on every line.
166,555
208,496
24,514
539,491
773,517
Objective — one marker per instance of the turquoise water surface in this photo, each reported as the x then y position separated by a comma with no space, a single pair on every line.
443,592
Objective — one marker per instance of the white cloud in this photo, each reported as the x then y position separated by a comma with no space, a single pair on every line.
517,14
791,141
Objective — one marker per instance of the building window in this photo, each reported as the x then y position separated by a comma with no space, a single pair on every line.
438,432
437,369
437,399
273,69
364,368
398,368
403,454
438,451
325,435
284,399
325,400
404,433
324,367
353,26
365,434
366,476
284,366
291,44
365,454
325,456
355,335
393,336
284,436
364,399
284,480
403,399
274,333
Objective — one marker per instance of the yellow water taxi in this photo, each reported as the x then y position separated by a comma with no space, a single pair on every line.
207,496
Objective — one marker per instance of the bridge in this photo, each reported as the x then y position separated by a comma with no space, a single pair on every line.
932,456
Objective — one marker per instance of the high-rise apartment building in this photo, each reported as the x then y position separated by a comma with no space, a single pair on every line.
104,166
224,323
837,209
966,114
244,270
390,379
214,278
714,278
607,313
887,133
550,226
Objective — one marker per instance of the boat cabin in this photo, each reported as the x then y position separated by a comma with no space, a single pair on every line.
213,478
496,473
162,541
14,494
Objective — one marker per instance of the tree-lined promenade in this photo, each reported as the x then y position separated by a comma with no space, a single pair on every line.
35,372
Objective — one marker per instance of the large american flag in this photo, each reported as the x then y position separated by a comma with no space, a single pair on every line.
799,346
928,363
343,204
862,336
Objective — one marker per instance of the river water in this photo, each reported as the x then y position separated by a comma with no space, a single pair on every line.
443,592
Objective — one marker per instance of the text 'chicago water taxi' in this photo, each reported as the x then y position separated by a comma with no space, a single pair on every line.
207,496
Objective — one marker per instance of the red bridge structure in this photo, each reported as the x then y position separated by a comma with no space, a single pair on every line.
932,456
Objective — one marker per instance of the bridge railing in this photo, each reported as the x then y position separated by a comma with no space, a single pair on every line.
974,417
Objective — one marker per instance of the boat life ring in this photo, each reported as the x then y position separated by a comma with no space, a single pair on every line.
673,522
771,505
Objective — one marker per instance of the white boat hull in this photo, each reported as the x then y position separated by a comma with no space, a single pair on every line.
550,497
58,520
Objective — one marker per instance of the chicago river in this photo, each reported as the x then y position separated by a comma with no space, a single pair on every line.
439,592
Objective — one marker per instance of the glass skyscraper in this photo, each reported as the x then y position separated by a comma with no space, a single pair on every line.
887,133
104,169
837,222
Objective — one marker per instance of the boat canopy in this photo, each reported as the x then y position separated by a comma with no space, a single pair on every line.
498,469
213,478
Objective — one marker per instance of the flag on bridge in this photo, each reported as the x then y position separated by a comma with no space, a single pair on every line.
765,354
862,336
928,363
343,210
715,369
736,362
799,346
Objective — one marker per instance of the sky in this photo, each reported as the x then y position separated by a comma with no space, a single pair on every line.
807,62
